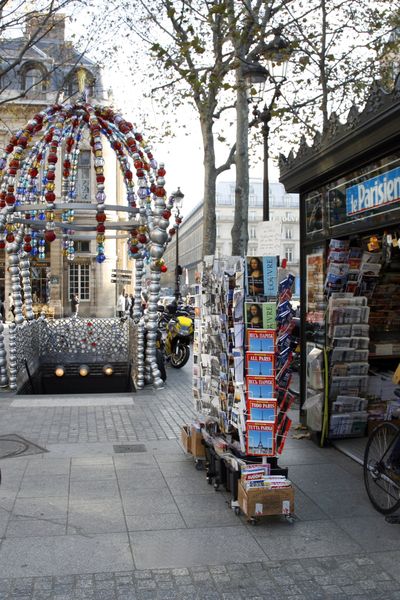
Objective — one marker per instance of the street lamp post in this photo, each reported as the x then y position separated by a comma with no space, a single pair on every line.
178,198
277,53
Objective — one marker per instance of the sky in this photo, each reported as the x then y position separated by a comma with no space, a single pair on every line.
182,154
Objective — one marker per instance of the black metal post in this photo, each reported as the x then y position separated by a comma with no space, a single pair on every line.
177,291
265,118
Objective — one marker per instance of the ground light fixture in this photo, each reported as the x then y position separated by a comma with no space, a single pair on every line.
83,370
59,371
108,370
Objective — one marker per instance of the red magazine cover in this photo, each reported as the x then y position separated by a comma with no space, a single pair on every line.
260,363
260,340
283,433
260,387
262,410
260,438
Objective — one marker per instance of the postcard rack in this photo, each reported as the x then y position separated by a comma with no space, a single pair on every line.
242,370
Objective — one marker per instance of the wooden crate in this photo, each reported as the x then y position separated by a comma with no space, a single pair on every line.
263,502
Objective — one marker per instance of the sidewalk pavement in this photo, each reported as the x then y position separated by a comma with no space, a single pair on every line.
87,521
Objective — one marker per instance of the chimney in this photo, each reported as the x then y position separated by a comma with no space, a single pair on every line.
39,23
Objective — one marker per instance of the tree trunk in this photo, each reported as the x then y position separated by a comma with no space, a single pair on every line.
210,180
240,235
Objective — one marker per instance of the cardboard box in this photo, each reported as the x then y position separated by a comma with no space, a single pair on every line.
197,446
264,502
186,439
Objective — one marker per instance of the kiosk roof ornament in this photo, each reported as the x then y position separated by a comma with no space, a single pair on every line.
332,147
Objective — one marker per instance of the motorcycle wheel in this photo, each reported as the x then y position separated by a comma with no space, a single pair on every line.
180,355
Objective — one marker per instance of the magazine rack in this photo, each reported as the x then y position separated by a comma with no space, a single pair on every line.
242,352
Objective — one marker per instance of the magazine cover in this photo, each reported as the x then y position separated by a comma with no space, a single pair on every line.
262,410
260,387
254,315
254,276
269,315
260,438
260,340
270,268
261,364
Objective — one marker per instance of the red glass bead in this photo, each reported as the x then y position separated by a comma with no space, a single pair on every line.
14,163
52,159
27,247
51,175
100,178
166,214
100,228
27,238
101,217
142,238
160,192
2,244
12,171
161,172
134,249
171,231
129,175
139,137
50,196
9,148
10,237
33,172
49,235
178,220
138,164
10,199
153,188
164,268
65,173
2,203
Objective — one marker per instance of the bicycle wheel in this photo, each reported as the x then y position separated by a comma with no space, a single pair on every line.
382,490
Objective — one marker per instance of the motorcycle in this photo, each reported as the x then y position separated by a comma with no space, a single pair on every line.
177,325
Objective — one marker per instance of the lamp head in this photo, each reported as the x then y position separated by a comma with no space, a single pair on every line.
277,53
178,197
84,370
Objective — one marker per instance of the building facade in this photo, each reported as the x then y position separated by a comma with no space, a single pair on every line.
279,236
49,72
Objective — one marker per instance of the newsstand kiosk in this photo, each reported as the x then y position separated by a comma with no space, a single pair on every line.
349,186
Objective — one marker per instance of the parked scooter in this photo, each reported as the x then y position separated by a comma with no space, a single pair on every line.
176,325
